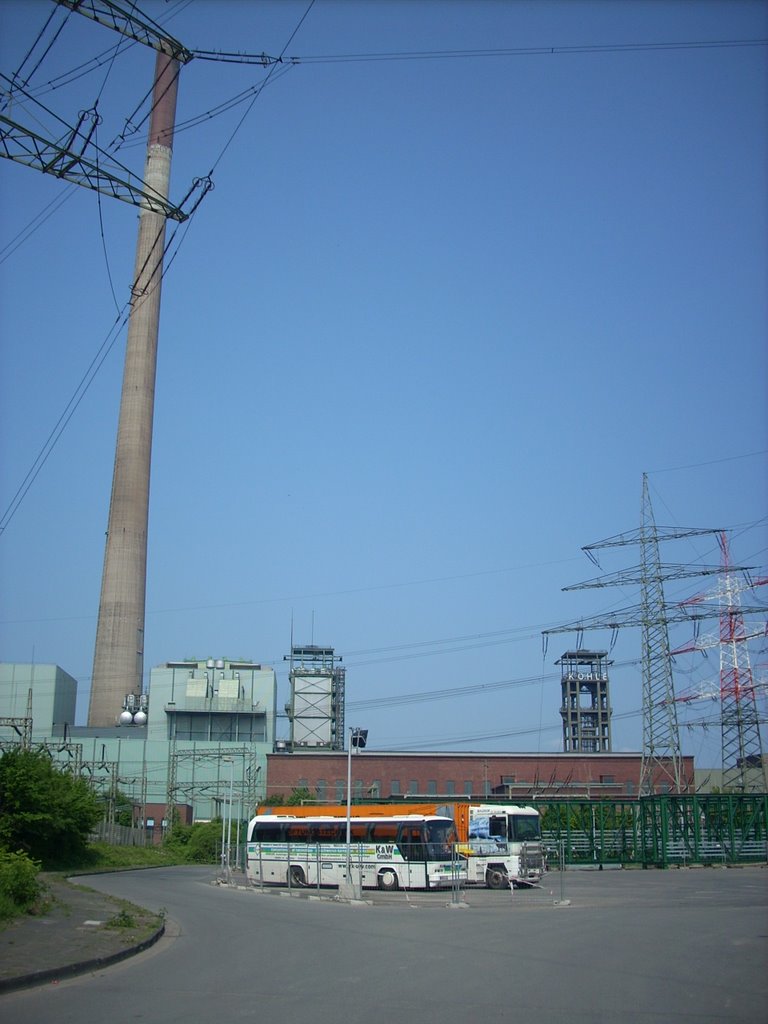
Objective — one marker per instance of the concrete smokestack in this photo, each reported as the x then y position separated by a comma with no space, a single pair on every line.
118,657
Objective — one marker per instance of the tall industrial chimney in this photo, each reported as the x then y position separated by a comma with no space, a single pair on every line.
119,651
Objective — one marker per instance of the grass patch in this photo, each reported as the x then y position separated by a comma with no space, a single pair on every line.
122,919
103,857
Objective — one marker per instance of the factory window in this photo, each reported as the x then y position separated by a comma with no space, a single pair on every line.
321,785
340,790
222,727
358,789
413,787
302,784
450,787
468,787
630,788
394,787
191,727
244,724
181,726
374,789
607,780
507,780
432,787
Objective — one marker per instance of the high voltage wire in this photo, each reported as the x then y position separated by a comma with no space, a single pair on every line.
527,731
516,51
484,737
266,61
460,691
88,377
109,57
109,341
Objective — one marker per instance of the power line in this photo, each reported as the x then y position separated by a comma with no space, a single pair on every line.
31,50
711,462
517,51
485,737
450,693
256,95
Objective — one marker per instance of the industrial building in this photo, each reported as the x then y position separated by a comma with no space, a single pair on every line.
316,707
204,740
520,777
197,741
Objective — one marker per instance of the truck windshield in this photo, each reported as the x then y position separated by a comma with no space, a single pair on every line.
525,827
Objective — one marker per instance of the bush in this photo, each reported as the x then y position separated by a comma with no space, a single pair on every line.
196,844
44,812
19,885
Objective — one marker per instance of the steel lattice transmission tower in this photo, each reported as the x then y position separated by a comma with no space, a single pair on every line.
742,752
661,757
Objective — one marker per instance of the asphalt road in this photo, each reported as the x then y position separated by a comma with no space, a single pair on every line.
631,947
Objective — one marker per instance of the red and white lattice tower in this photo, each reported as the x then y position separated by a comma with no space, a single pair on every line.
742,753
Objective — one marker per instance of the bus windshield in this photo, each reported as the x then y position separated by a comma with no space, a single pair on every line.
440,838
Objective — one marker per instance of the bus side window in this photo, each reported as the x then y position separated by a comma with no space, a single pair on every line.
325,834
268,832
358,831
384,832
297,833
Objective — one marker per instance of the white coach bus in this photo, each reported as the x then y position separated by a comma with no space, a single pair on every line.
405,851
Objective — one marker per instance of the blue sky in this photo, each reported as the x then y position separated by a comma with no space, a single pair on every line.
418,345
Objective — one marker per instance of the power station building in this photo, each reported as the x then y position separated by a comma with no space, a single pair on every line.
196,742
519,778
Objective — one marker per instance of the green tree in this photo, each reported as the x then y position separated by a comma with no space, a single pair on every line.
122,807
300,796
44,812
196,844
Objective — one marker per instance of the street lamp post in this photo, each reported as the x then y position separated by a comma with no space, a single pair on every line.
226,817
229,816
357,738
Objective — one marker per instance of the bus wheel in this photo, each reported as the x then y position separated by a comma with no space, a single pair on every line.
296,875
496,879
388,881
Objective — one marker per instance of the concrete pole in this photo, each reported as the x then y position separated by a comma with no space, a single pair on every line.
119,650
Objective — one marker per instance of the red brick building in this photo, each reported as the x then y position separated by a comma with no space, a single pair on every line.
430,775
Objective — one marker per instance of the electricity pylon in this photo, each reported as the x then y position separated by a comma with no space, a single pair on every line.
742,752
68,159
132,24
661,764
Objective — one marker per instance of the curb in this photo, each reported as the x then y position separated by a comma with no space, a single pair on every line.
56,974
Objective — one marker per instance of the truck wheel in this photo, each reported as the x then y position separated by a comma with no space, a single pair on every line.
496,879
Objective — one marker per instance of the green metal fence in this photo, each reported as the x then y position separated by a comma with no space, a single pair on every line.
659,831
